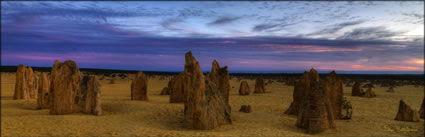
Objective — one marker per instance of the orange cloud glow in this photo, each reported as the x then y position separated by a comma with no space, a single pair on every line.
418,61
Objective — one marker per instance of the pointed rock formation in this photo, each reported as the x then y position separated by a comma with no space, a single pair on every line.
139,87
29,74
26,83
43,91
204,107
356,90
334,89
89,97
224,83
406,113
21,90
316,114
176,88
302,87
65,80
214,71
244,88
259,86
221,78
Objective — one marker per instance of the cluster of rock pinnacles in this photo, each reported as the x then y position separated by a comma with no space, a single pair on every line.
205,98
66,91
317,103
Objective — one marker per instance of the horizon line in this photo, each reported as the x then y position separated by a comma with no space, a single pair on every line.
320,71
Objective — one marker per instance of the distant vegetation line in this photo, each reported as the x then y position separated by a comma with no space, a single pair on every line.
108,72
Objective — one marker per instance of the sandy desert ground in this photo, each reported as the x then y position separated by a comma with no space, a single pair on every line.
157,117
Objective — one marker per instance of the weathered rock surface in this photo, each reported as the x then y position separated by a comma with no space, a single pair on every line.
90,95
139,87
65,80
246,109
334,89
259,86
302,87
316,114
43,91
176,88
205,107
21,90
244,88
356,90
221,78
31,85
406,113
26,83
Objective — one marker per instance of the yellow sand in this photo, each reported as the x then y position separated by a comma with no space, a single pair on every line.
157,117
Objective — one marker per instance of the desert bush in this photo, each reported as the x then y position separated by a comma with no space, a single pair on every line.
346,104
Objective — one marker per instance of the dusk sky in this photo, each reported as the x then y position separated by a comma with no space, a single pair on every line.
245,36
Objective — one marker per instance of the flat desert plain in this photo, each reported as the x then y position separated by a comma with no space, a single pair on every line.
157,117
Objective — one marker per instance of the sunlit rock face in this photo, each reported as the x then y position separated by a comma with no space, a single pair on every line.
334,88
21,90
406,113
64,88
176,89
244,88
205,107
90,95
26,83
302,87
139,87
259,86
31,83
43,91
221,78
316,113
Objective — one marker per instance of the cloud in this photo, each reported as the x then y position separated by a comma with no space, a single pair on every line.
264,26
195,12
370,33
331,29
414,18
168,24
271,27
60,10
224,20
119,37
